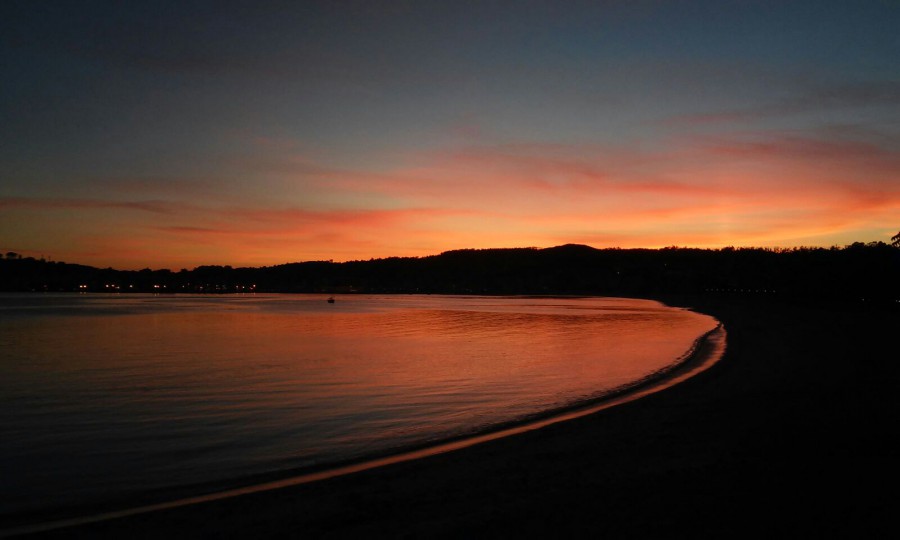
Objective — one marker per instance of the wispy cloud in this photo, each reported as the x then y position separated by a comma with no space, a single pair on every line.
818,98
761,188
796,147
155,207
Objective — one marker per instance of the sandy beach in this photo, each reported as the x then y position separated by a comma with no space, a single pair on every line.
785,435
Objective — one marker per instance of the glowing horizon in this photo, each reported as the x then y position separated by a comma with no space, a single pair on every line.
143,138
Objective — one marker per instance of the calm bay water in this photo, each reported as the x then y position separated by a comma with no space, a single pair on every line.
107,397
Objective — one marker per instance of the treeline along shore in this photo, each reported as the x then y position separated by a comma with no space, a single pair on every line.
858,272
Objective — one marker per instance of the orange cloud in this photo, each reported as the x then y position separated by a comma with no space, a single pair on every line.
743,189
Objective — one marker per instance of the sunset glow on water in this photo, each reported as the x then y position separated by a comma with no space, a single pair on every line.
108,396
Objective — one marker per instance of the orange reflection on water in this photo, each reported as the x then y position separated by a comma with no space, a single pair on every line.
155,392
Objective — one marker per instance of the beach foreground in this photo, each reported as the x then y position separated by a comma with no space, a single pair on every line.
787,434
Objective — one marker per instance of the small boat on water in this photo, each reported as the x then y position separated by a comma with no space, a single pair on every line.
330,299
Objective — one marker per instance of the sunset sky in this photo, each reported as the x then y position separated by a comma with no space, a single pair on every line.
177,134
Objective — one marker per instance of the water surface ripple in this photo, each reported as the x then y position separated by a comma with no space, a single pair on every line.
107,397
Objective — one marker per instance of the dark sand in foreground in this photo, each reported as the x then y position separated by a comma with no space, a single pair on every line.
787,435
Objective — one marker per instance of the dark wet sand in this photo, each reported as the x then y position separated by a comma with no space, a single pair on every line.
786,435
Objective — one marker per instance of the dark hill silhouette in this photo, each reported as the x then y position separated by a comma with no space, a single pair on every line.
570,248
859,272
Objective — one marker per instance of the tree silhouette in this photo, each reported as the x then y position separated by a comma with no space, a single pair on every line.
858,271
895,240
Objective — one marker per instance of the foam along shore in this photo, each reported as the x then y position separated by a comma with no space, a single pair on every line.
770,439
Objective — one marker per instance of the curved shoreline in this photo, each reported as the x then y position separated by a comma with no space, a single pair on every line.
705,351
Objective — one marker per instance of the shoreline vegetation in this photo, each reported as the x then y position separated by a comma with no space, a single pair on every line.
704,352
857,272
